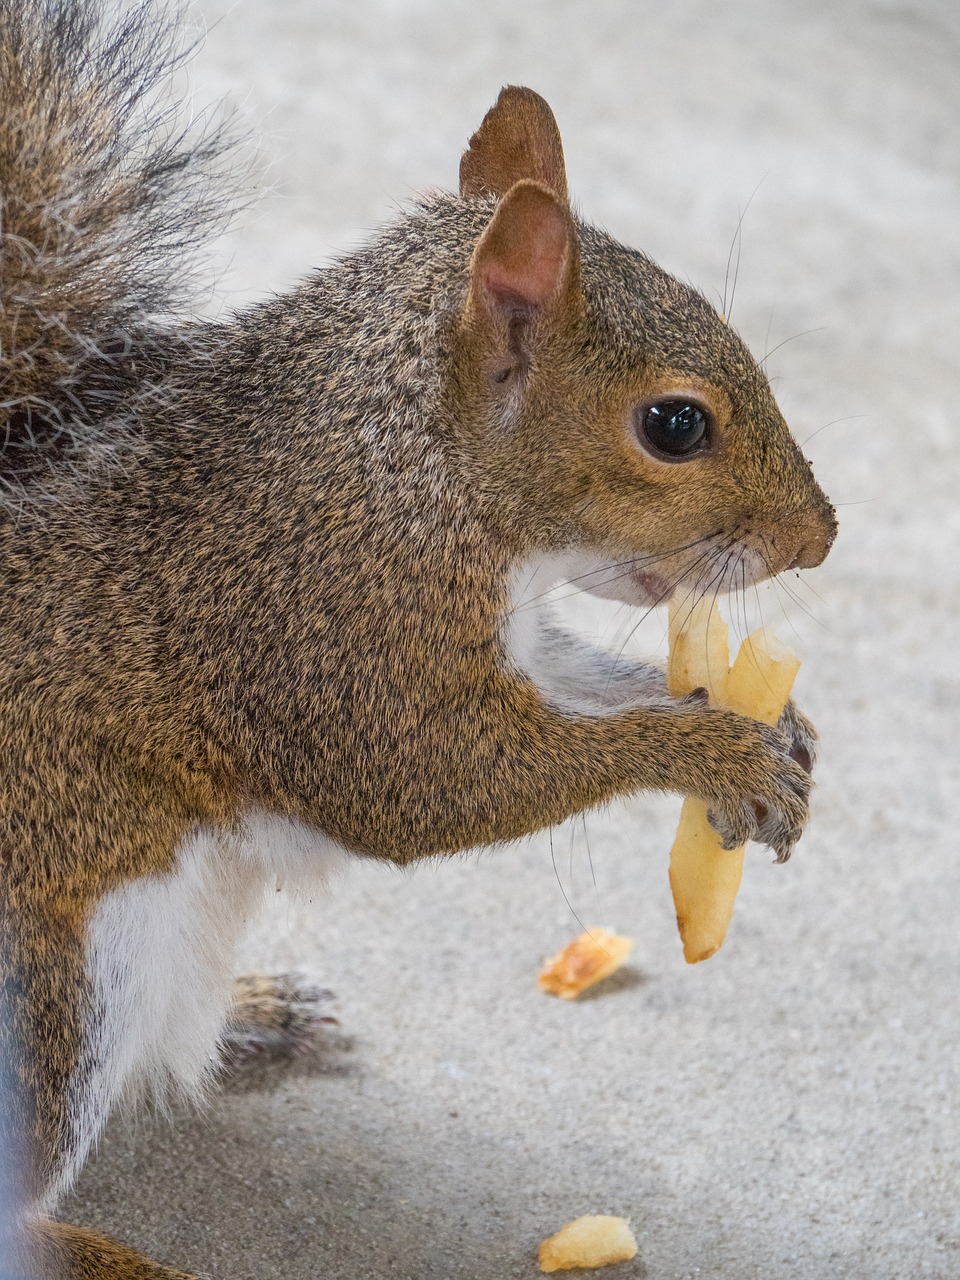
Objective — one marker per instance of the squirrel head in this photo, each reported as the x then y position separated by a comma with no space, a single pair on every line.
620,410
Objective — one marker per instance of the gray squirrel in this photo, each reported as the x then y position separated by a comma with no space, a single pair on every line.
274,587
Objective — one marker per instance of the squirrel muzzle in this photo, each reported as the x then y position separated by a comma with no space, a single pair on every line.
813,550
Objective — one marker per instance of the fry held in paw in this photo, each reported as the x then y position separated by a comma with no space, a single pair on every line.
595,1240
587,960
704,876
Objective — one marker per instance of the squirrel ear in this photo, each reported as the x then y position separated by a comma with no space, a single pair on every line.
527,254
518,139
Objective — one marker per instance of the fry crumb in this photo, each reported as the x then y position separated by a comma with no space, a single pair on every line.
595,1240
587,960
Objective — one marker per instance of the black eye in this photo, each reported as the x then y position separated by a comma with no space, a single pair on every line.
675,427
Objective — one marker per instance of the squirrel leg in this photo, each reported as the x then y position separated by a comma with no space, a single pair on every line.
51,1088
745,772
583,678
61,1252
523,764
282,1014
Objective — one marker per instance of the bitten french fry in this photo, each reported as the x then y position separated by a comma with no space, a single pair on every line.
699,656
595,1240
705,880
760,680
705,877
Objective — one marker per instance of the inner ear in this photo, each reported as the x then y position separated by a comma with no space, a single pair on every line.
517,140
523,268
522,258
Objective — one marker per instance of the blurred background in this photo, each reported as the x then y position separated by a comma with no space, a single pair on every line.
788,1108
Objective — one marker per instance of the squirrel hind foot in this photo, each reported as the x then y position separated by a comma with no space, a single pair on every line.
282,1016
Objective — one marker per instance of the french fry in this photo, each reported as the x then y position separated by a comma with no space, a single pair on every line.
760,680
705,877
699,656
705,880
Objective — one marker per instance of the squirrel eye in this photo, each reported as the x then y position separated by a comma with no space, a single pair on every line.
674,427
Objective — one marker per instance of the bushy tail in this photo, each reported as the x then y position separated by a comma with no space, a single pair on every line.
104,202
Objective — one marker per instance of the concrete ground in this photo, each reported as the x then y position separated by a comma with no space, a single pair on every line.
789,1108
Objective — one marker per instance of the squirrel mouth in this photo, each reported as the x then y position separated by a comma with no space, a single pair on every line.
651,587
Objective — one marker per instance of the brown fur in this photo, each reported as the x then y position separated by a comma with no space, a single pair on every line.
292,594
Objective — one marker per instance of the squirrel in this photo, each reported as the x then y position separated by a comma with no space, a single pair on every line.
275,588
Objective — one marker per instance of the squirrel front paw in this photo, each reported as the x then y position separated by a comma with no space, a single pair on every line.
760,791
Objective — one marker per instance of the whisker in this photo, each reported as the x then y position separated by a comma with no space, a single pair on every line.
719,580
593,873
780,583
556,872
852,417
736,611
756,592
750,654
625,565
685,570
737,242
532,579
802,582
636,626
695,594
786,617
728,312
756,664
742,597
793,337
776,584
766,336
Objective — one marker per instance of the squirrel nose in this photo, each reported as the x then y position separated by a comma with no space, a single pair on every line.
813,550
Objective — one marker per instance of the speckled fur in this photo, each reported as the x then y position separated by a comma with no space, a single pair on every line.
291,593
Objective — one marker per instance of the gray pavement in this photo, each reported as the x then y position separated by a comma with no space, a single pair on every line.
789,1108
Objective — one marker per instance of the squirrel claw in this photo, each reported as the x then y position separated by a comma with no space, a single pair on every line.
803,737
767,799
698,697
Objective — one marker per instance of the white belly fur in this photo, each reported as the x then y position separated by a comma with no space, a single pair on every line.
160,955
